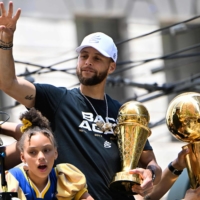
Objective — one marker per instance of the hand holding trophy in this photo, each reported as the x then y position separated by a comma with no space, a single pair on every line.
132,133
183,121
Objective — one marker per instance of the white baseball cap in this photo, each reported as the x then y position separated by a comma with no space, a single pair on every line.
102,43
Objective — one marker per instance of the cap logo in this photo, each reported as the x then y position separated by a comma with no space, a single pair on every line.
94,39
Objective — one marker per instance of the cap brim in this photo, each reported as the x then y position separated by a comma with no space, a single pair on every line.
78,50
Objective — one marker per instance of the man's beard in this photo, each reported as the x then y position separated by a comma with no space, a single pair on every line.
94,80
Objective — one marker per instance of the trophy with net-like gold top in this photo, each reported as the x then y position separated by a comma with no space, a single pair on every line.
183,121
132,132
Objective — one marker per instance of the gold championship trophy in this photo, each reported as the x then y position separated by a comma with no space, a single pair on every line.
183,121
132,133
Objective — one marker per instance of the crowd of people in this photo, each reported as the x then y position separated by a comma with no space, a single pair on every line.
81,120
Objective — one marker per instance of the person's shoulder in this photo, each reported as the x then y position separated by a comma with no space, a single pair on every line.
74,91
17,171
67,166
48,86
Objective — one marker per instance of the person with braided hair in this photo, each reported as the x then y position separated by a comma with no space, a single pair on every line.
36,178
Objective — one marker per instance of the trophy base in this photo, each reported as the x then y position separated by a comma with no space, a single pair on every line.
123,182
8,195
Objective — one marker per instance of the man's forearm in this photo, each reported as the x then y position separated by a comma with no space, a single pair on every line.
167,180
11,129
7,70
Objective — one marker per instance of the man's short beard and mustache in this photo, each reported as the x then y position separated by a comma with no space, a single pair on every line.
94,80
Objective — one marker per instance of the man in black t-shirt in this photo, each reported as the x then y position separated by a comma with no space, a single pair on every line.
82,119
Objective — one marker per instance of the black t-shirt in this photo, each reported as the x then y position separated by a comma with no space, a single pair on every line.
79,140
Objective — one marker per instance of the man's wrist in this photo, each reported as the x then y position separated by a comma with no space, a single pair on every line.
174,170
6,45
152,171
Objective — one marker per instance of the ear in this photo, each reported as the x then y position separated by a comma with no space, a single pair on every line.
56,154
22,157
112,67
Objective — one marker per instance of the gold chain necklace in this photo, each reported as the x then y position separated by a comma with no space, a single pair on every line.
100,123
